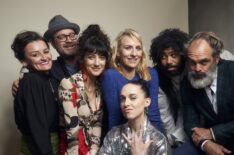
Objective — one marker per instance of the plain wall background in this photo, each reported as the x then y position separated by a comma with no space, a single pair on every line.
148,17
213,15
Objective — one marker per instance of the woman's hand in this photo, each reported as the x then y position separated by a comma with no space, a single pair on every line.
138,147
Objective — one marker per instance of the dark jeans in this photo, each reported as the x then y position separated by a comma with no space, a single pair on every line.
188,148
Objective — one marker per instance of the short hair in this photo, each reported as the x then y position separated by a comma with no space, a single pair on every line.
93,39
168,38
143,85
142,68
212,39
22,39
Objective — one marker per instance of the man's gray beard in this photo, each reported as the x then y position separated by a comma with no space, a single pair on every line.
202,82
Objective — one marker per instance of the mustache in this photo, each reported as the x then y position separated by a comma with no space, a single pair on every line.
198,75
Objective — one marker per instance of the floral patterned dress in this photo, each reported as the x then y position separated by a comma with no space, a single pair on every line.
82,125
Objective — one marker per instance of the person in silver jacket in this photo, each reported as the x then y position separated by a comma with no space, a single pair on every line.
138,136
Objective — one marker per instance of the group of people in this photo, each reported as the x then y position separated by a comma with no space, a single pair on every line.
94,99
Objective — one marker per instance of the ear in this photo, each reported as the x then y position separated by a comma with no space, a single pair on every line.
147,102
217,58
24,63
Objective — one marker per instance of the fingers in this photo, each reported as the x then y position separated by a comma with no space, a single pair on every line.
126,138
225,150
14,88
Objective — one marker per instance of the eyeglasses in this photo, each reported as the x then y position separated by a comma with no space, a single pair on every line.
63,37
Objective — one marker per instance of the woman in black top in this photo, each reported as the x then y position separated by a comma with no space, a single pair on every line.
35,105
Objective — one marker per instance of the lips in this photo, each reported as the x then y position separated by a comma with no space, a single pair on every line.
127,110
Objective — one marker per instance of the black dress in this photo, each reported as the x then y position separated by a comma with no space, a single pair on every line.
36,110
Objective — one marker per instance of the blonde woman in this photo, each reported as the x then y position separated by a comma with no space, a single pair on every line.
128,64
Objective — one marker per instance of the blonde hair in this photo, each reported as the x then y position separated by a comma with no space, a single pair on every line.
142,68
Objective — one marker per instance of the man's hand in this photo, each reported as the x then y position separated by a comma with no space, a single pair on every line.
15,87
136,144
200,134
211,148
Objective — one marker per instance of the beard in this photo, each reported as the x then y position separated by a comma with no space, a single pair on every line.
169,73
203,79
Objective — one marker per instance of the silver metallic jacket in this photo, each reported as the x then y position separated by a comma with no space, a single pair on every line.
115,144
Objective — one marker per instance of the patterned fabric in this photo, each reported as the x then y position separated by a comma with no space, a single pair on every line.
82,124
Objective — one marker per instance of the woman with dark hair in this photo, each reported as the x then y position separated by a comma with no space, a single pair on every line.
168,55
35,104
138,136
80,94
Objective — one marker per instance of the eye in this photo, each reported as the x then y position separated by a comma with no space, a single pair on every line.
163,57
102,57
132,98
128,47
46,51
34,54
138,48
122,99
91,56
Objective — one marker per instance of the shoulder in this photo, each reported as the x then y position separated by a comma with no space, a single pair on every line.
115,132
67,83
153,72
33,78
111,72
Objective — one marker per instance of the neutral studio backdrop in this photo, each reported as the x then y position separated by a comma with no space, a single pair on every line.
148,17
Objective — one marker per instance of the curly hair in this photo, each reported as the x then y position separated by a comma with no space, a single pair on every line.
175,39
21,40
168,38
93,39
142,68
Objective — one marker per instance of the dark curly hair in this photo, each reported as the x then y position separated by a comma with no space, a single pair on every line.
94,39
168,38
21,40
175,39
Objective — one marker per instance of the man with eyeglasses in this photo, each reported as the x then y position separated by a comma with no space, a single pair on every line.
63,36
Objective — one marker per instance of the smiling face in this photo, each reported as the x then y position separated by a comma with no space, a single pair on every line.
129,53
38,56
94,64
170,61
67,49
133,102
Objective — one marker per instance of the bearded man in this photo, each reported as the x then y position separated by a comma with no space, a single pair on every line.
208,96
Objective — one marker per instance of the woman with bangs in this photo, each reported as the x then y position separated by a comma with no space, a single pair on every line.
80,94
128,64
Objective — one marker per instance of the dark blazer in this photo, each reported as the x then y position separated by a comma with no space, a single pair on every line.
198,111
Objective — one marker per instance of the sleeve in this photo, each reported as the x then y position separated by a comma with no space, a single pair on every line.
224,132
111,99
153,111
35,112
67,97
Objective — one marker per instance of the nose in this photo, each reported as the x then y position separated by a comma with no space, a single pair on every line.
97,61
197,68
43,56
169,60
133,53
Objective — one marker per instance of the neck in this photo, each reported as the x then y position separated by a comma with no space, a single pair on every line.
137,124
90,83
70,61
128,73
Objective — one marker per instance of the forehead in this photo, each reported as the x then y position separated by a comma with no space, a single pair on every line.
169,51
35,46
131,89
129,40
199,49
64,31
